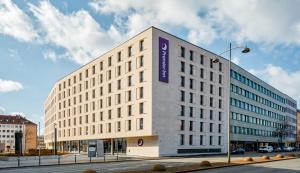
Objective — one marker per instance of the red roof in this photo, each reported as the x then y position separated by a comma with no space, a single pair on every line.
14,119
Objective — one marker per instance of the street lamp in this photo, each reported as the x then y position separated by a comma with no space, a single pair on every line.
55,139
245,49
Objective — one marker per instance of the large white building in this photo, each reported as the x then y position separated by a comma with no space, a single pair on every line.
154,95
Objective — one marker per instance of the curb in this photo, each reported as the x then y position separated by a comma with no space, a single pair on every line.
241,164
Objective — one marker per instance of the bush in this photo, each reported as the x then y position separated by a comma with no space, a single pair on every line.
248,159
279,156
159,167
291,155
265,157
89,171
205,163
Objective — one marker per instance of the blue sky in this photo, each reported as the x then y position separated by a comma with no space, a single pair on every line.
41,41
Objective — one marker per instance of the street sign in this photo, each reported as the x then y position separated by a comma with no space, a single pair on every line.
92,148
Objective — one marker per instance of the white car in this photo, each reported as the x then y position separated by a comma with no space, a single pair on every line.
266,149
289,149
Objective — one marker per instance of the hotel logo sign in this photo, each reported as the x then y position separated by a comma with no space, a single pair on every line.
163,60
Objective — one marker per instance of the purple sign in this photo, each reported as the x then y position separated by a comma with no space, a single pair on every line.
163,60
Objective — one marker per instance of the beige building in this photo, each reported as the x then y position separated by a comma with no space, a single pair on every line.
9,125
153,95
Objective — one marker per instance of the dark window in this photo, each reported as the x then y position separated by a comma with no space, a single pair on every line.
182,52
191,55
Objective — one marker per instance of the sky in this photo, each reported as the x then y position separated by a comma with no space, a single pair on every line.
42,41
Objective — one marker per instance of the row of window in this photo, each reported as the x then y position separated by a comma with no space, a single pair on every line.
109,63
260,88
102,128
191,99
101,116
201,113
191,140
202,72
255,97
130,82
252,132
202,88
254,120
252,108
191,125
128,97
191,57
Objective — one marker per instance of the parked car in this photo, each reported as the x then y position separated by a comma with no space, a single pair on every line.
278,149
238,151
288,149
265,149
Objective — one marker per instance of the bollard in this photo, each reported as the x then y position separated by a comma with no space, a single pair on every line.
104,157
90,159
18,161
75,159
58,160
39,160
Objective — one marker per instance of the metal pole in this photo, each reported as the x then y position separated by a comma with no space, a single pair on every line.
55,140
39,144
229,143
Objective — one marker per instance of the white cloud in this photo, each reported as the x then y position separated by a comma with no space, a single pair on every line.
9,85
2,110
78,33
287,82
260,21
14,22
52,55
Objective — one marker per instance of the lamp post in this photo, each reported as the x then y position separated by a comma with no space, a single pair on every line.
55,139
245,49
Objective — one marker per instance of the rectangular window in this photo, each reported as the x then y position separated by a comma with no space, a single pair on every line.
191,84
182,66
181,139
129,51
191,126
141,61
182,122
201,139
202,59
211,89
201,127
211,114
220,140
119,56
182,52
201,100
201,112
141,108
211,76
211,102
191,69
129,125
182,96
191,97
129,110
220,79
191,55
141,76
191,111
141,124
220,128
141,45
109,61
211,63
220,67
201,73
141,92
182,81
182,110
129,79
119,113
210,140
191,139
220,91
201,86
220,104
211,127
119,84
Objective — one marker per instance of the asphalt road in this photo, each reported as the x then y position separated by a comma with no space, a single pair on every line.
286,166
113,167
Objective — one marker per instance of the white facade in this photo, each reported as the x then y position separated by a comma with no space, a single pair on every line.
7,136
119,95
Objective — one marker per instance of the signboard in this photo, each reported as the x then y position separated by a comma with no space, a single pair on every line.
100,148
92,148
163,60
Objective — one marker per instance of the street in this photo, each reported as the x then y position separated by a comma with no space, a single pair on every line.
112,167
286,166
